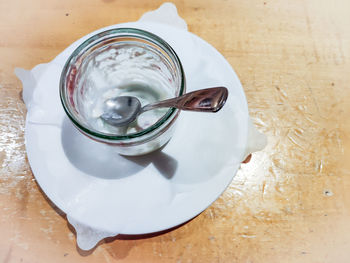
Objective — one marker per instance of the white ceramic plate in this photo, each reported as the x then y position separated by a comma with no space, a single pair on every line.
100,189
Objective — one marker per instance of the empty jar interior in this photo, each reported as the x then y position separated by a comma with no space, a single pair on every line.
121,66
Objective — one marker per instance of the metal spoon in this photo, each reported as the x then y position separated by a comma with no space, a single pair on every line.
123,110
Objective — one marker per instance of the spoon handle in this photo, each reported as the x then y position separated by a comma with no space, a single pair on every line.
208,100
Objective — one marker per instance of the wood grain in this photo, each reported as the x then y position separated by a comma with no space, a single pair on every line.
291,203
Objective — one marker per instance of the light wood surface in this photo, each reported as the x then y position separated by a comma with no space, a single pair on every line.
291,203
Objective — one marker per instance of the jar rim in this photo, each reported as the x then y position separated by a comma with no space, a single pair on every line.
93,41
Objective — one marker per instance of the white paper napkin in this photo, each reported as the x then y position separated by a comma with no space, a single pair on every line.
45,109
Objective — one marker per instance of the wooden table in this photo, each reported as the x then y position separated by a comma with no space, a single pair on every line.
291,203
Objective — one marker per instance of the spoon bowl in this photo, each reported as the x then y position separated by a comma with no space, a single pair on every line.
121,111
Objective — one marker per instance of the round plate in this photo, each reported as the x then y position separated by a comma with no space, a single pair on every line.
136,195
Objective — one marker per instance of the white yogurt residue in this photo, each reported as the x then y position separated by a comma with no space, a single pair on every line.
123,69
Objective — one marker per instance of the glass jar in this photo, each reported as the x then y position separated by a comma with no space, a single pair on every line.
119,62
